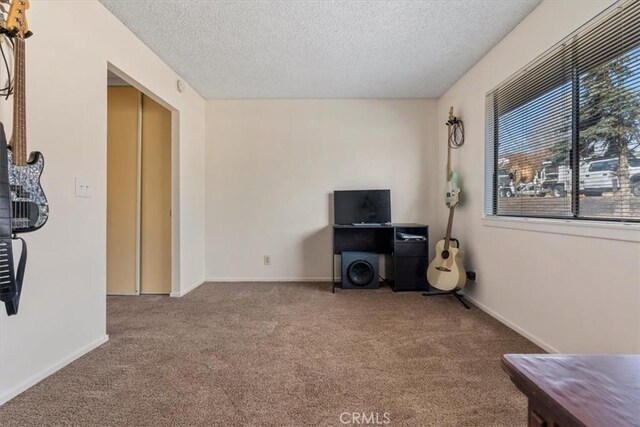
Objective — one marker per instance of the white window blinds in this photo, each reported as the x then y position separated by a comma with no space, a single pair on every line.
563,135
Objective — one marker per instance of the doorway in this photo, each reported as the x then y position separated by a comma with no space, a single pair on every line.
139,184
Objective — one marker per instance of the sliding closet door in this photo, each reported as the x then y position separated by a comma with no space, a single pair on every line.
155,254
122,148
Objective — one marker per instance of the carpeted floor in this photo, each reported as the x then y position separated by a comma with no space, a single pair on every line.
284,354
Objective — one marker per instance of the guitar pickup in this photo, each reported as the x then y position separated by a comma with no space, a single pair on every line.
19,191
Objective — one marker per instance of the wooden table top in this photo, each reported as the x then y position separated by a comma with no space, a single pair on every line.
592,390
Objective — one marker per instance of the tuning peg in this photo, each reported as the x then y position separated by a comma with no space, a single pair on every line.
28,34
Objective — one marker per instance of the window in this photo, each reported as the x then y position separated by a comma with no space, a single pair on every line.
563,135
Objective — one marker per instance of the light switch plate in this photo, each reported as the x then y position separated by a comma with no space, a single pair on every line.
83,188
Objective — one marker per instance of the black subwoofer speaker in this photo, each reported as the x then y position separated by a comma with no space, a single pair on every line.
360,270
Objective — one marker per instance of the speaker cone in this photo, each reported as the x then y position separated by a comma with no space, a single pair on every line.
359,270
360,273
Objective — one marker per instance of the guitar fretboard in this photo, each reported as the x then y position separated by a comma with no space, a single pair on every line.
19,135
447,239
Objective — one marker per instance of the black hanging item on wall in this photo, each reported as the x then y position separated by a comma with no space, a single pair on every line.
10,279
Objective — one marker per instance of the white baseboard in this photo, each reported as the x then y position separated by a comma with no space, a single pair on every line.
269,279
183,292
35,379
513,326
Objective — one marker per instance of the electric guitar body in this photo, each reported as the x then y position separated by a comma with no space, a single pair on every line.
30,209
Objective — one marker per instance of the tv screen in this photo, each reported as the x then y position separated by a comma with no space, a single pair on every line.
363,206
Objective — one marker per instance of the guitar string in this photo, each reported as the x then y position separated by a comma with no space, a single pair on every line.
21,118
22,127
23,132
23,148
17,130
17,138
25,205
20,111
18,127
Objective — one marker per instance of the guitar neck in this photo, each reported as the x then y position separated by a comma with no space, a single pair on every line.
447,239
449,173
19,135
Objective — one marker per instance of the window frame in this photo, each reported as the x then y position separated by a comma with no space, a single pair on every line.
491,212
619,231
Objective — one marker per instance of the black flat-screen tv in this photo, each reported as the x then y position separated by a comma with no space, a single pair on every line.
362,206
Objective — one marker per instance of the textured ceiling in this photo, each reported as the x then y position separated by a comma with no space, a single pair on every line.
320,49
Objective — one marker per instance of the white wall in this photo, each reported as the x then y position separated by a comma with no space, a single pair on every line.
272,166
62,312
569,293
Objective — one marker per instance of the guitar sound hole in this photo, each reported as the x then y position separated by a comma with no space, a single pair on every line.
445,254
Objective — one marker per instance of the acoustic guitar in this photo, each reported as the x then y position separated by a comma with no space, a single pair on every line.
446,272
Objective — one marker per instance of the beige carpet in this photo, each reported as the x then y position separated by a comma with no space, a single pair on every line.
284,354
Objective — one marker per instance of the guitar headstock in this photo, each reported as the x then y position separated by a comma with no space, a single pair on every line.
16,24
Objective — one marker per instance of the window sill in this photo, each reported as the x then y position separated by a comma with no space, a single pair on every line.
627,232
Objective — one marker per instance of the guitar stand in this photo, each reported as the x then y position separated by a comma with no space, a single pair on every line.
455,293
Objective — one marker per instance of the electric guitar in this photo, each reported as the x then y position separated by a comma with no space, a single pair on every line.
23,205
30,209
446,272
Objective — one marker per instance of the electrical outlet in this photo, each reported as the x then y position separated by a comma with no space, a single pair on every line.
83,188
267,260
473,276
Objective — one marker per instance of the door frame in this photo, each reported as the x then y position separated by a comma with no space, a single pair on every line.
175,181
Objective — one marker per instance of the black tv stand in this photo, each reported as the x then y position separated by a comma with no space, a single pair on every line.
405,260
